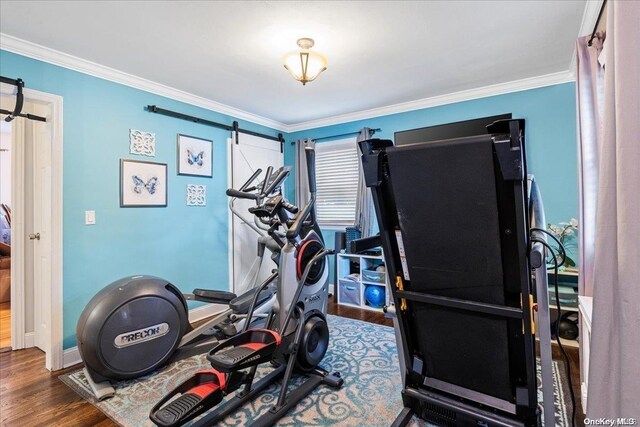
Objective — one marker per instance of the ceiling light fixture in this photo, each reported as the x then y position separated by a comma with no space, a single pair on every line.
305,65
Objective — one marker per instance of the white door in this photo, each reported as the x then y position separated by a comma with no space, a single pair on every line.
41,229
36,196
250,154
31,227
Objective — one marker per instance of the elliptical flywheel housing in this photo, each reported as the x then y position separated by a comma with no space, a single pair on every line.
131,327
314,343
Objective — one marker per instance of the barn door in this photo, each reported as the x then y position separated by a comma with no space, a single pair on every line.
248,155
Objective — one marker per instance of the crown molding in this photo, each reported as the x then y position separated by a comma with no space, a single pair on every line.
55,57
45,54
590,16
434,101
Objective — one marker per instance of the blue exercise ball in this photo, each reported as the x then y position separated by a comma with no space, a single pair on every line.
375,296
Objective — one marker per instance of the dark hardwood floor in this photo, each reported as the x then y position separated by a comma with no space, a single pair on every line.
30,395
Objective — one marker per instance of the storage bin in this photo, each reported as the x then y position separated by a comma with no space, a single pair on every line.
351,233
373,276
348,292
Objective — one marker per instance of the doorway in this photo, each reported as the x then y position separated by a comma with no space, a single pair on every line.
35,297
5,236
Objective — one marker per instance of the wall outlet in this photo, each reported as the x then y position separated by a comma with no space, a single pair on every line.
89,217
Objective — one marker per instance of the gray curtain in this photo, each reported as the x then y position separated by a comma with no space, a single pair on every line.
614,370
364,203
302,180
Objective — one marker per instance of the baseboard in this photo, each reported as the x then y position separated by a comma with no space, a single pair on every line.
29,339
71,356
332,289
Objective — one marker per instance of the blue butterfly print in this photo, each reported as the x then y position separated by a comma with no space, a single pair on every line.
150,185
197,160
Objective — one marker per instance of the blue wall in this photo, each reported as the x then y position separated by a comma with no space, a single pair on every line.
186,245
550,114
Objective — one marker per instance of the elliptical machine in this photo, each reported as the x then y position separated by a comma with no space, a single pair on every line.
139,323
294,338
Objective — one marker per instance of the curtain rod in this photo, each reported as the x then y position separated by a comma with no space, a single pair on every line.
595,27
234,126
342,134
17,110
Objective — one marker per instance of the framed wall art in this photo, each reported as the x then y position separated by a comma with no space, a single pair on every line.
143,184
194,156
196,195
141,142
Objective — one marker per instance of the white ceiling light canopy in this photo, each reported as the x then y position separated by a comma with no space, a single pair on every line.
305,65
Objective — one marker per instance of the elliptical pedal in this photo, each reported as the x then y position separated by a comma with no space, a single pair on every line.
246,349
202,391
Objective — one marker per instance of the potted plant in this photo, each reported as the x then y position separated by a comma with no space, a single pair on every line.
567,234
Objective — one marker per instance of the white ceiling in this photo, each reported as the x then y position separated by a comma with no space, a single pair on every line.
380,53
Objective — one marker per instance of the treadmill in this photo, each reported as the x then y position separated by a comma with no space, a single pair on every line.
455,218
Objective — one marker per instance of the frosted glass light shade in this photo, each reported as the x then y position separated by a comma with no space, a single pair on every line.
305,65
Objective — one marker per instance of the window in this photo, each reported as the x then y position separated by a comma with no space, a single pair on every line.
337,169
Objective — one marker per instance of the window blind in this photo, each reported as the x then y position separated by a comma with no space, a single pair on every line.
337,169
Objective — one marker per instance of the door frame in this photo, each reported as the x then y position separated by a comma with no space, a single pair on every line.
53,294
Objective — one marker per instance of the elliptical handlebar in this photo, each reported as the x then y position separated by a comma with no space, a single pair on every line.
276,181
245,191
245,186
310,155
265,183
268,185
295,228
241,194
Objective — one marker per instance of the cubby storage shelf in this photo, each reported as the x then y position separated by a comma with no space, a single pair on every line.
352,292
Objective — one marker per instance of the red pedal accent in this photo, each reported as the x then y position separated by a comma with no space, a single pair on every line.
222,378
203,390
274,333
255,346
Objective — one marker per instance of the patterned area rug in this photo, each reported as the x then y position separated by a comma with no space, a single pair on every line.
364,353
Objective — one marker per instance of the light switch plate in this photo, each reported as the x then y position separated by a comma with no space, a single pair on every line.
89,217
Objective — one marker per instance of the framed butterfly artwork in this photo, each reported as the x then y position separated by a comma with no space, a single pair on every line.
143,184
194,156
